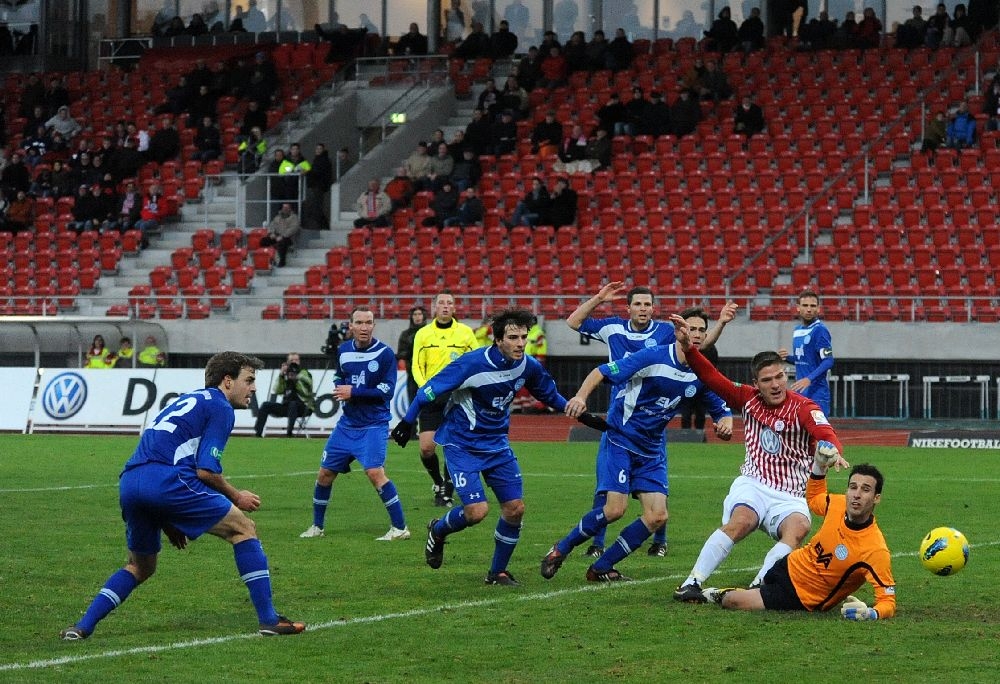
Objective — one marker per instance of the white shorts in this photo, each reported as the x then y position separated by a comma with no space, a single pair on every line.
770,505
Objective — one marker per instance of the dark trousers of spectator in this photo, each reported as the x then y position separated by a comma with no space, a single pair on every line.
293,410
280,244
313,215
378,222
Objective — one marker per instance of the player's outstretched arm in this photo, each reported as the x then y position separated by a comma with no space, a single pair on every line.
577,405
726,316
606,294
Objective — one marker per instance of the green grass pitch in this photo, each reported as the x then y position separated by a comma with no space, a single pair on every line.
377,613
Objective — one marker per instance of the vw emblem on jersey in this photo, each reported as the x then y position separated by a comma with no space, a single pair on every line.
373,365
779,425
64,396
769,441
518,384
840,552
649,342
690,391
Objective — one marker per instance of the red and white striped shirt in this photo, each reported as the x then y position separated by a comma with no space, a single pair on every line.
780,440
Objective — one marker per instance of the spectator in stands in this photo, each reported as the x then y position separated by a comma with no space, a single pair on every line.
546,136
913,32
983,14
373,206
575,52
959,30
572,150
165,144
154,210
125,354
278,189
550,39
611,116
97,354
444,205
39,140
789,16
411,43
295,167
554,69
418,164
529,69
37,117
207,141
20,213
141,137
62,179
598,52
991,105
32,95
514,98
961,130
457,145
41,185
86,210
598,153
254,117
819,34
466,172
254,20
400,189
15,176
439,169
105,206
503,135
503,43
281,232
343,162
723,36
202,104
655,119
475,45
845,37
532,206
869,31
129,209
935,133
318,182
454,22
478,133
937,25
751,32
470,210
56,96
635,111
713,84
63,123
197,25
685,114
620,51
562,207
162,19
749,118
84,169
151,355
177,98
252,151
489,98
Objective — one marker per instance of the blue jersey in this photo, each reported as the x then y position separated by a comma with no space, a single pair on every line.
650,386
812,354
188,434
483,383
371,372
622,339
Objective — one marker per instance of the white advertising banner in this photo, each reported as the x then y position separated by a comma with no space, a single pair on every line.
17,386
127,399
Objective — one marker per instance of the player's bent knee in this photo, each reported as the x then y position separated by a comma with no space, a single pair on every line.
513,511
474,513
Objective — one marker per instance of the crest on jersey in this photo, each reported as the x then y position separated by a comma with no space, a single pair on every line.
690,391
840,552
649,342
819,417
805,340
518,384
769,441
373,365
779,425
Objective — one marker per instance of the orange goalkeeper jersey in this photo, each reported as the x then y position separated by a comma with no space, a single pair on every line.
839,558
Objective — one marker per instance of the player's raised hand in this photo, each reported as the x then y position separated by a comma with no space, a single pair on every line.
681,331
728,312
826,454
611,290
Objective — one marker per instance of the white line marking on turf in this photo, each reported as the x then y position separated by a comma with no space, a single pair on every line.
373,619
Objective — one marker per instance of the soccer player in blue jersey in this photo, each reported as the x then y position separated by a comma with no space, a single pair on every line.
365,385
173,483
626,336
483,383
812,353
649,386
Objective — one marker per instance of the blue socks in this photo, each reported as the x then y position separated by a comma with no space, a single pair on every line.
590,525
111,595
600,498
453,521
506,537
321,498
252,566
390,498
660,536
630,539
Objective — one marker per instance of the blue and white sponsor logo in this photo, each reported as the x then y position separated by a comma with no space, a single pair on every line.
373,365
769,441
840,552
64,396
518,384
690,391
649,342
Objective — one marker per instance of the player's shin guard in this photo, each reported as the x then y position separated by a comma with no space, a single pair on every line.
630,539
111,595
321,499
777,552
252,566
453,521
590,525
715,550
600,498
506,537
390,497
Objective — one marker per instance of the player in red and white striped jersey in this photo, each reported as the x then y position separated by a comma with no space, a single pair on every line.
782,431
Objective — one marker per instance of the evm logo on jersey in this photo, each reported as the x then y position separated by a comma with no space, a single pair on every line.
769,441
64,396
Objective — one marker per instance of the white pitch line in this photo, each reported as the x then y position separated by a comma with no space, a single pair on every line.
374,619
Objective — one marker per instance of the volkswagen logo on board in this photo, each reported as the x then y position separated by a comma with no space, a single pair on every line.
64,396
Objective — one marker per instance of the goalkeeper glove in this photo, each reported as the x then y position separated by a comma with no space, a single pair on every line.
857,610
401,433
592,421
826,453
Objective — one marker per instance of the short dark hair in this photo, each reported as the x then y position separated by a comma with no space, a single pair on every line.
763,360
808,293
641,289
870,471
228,363
521,318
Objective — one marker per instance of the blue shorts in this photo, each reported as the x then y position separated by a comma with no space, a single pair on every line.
153,495
500,470
624,471
346,444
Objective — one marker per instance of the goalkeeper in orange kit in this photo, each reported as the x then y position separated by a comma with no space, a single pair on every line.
848,550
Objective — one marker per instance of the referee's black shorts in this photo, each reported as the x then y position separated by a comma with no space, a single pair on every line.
432,415
777,590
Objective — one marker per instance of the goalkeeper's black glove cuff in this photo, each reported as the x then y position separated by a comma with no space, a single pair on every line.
593,421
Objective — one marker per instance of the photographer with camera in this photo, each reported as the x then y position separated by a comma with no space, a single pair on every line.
295,388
